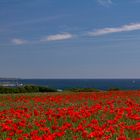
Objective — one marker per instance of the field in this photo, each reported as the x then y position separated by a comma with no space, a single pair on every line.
113,115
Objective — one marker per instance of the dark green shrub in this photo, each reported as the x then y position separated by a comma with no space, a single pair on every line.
46,89
83,90
26,89
113,89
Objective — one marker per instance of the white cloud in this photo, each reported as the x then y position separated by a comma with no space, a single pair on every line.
57,37
124,28
18,41
105,3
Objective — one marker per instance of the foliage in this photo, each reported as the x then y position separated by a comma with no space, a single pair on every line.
83,90
26,89
113,89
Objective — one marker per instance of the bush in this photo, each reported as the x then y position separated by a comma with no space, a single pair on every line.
83,90
113,89
46,89
26,89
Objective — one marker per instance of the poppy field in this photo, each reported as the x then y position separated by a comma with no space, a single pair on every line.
112,115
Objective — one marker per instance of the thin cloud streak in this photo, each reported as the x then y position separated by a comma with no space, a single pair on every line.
105,3
57,37
35,21
50,38
18,41
124,28
67,36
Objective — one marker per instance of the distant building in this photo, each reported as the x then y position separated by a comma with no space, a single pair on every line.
10,84
59,90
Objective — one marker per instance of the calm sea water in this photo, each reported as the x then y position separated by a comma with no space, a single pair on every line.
102,84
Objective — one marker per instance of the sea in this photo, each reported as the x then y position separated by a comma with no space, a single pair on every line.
102,84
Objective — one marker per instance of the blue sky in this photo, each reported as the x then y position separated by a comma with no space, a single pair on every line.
70,39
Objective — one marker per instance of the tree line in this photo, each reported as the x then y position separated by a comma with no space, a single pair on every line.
26,89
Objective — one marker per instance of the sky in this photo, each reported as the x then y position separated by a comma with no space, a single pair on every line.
70,38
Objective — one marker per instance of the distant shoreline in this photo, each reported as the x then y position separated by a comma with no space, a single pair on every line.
62,84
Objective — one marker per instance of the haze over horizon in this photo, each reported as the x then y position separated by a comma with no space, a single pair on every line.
69,39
